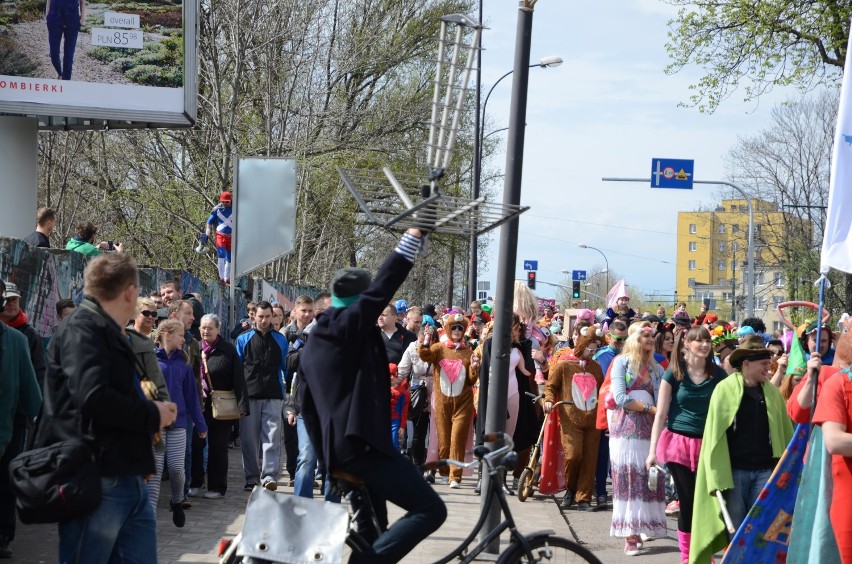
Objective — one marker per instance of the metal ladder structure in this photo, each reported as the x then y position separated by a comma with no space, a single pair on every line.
404,200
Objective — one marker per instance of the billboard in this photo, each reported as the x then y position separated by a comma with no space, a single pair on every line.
117,64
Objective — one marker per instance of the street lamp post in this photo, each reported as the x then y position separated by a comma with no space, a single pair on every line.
479,125
585,246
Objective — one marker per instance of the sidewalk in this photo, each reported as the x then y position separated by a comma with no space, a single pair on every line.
208,520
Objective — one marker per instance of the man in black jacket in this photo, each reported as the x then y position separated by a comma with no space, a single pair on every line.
347,398
396,336
92,390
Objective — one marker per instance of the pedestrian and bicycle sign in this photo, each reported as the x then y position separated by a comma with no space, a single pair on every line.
672,173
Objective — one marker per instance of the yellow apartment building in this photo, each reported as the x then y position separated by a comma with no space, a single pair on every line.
711,258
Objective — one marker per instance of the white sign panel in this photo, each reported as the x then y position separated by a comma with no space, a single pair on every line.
265,210
126,39
116,19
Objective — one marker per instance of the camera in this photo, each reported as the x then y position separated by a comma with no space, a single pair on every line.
110,245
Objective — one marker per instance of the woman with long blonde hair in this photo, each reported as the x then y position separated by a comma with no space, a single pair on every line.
636,509
182,389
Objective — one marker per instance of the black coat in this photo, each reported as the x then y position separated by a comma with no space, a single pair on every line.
225,372
91,380
397,343
344,367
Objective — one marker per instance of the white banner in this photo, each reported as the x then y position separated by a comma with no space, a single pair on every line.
837,240
91,95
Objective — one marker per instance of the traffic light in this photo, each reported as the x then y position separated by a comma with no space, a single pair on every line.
531,279
575,290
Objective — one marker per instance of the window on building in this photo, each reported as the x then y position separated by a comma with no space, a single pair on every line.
693,246
735,228
721,246
777,326
778,279
722,265
726,296
759,302
692,265
721,281
691,282
759,278
776,300
692,228
735,246
722,228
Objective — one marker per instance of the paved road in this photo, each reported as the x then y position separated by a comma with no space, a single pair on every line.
208,520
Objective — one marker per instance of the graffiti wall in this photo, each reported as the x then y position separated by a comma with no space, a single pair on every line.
45,276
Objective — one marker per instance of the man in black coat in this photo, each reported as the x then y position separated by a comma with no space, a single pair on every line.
92,391
347,399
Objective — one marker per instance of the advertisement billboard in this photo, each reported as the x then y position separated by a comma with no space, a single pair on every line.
123,63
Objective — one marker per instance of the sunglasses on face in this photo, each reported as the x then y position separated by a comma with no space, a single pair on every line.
619,339
456,328
147,313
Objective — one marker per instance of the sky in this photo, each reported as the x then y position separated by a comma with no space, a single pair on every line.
607,111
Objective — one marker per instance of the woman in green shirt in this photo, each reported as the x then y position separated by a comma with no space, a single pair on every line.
682,406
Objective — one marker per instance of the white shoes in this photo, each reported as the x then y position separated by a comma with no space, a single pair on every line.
193,492
454,485
212,495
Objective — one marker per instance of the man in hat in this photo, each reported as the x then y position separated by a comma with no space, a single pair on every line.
347,403
13,316
19,403
222,221
745,434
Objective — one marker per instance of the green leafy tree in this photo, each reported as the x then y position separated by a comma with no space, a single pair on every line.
757,45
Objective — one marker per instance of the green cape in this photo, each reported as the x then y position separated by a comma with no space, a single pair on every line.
709,534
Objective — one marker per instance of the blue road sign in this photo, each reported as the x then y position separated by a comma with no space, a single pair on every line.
530,265
672,173
578,275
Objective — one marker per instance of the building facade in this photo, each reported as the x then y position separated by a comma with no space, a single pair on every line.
712,259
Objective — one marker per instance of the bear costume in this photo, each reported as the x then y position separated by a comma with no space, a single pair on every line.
452,394
577,378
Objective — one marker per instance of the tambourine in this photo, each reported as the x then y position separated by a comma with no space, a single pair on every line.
825,313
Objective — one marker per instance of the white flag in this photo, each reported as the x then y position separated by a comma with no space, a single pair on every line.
837,240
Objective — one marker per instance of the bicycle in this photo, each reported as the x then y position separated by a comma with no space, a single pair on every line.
539,546
528,477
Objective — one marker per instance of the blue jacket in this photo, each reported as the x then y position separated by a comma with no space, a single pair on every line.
182,390
19,390
264,358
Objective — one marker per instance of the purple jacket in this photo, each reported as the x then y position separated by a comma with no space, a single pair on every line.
182,388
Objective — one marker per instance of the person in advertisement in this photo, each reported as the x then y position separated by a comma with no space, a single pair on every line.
221,220
63,18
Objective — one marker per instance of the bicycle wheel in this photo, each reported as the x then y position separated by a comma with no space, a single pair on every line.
525,484
549,549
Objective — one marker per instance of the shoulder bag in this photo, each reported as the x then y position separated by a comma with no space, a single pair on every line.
222,402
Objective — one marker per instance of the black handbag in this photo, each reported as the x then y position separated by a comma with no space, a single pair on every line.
419,396
56,483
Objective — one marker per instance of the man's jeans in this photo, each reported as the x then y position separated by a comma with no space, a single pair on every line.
394,479
122,529
747,486
306,466
260,440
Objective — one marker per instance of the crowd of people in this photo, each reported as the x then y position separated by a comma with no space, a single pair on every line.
358,379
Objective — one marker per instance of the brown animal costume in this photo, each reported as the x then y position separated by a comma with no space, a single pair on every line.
452,394
578,380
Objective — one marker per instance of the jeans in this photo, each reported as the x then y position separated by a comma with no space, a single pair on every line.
122,529
747,486
306,464
394,479
260,440
59,26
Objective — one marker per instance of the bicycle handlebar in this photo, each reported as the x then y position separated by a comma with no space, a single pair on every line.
487,438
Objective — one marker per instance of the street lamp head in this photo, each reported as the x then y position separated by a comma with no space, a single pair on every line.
583,246
550,61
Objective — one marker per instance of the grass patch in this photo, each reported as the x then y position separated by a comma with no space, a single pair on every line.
159,64
13,61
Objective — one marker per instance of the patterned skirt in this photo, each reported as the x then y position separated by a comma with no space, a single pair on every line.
635,508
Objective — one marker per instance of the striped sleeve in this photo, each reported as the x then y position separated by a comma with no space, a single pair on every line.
408,246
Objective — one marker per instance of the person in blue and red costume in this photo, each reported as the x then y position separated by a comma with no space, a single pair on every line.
223,222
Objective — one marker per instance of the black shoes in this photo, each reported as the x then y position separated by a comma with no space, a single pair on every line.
5,551
568,499
178,516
